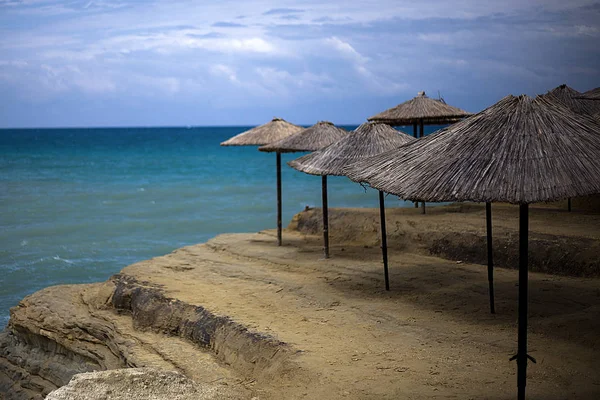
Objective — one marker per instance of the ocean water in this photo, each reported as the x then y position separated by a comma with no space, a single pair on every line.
78,205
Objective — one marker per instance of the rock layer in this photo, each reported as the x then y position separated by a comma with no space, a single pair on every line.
135,384
66,330
454,232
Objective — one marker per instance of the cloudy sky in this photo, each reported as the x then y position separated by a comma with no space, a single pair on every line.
237,62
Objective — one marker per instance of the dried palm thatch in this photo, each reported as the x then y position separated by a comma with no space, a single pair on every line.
593,94
570,98
520,150
367,140
270,132
316,137
421,109
320,135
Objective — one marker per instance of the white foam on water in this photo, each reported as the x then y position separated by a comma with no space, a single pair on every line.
58,258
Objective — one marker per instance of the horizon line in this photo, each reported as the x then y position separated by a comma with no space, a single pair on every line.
155,126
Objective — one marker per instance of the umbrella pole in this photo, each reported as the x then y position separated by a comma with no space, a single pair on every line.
384,240
325,216
416,135
421,135
522,355
278,199
488,223
422,129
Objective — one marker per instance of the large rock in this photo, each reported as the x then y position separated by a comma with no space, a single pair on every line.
51,336
134,384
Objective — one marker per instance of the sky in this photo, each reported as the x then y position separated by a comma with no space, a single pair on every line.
242,62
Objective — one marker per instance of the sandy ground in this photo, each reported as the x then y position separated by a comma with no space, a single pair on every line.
430,337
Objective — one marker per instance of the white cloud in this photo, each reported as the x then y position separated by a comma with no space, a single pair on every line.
572,31
455,62
52,79
70,55
31,40
94,84
169,84
151,85
437,38
14,63
275,77
587,30
360,66
335,49
505,70
256,45
180,40
345,49
100,4
70,77
224,70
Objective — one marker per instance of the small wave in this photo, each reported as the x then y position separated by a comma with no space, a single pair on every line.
62,259
24,242
141,189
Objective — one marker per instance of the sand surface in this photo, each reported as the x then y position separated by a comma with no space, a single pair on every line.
430,337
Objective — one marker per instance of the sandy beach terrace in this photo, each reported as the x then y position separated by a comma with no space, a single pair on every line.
271,322
431,336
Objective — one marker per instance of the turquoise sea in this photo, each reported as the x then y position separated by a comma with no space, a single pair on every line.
78,205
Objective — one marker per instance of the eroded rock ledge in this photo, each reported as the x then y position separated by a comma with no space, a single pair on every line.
258,354
51,337
66,330
559,242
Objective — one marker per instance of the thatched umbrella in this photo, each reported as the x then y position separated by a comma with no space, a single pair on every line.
367,140
420,111
571,99
270,132
318,136
521,150
593,94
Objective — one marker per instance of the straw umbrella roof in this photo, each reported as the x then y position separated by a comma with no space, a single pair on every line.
316,137
272,131
430,111
367,140
520,150
593,94
570,98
